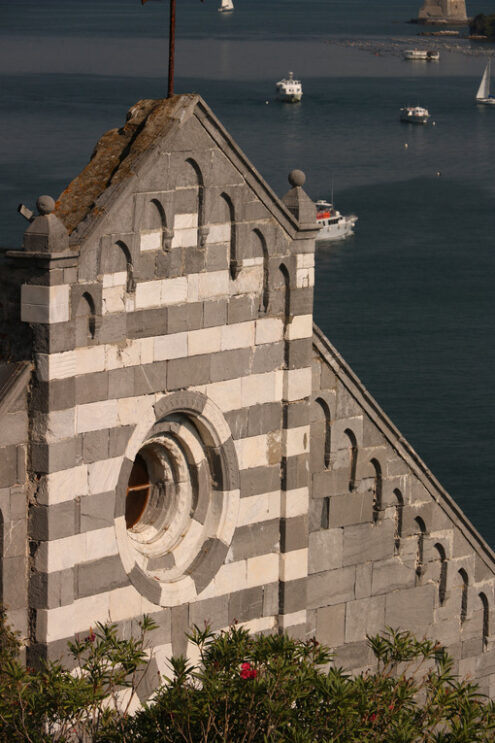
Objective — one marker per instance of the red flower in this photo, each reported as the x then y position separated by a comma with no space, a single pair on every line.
247,671
373,717
91,637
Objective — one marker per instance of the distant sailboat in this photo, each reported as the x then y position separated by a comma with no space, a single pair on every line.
225,6
483,94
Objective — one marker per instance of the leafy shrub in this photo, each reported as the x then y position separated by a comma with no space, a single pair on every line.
483,25
53,705
243,689
273,688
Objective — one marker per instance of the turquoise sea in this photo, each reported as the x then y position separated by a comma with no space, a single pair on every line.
408,300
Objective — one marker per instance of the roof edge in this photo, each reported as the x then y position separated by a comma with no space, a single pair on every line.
392,434
242,162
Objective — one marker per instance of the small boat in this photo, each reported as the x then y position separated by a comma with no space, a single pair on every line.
483,94
333,224
429,55
289,90
414,114
225,6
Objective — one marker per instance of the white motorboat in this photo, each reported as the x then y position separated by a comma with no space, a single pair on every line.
414,114
289,90
225,6
428,55
483,94
333,224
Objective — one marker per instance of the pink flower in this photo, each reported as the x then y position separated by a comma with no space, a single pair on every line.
247,671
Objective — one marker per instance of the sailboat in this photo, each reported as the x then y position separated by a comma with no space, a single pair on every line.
225,6
483,94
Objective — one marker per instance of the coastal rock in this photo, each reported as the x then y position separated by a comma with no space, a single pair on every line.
443,11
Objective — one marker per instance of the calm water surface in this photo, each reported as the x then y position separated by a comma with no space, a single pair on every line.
408,300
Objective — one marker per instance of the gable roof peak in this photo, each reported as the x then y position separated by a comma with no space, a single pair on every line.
117,151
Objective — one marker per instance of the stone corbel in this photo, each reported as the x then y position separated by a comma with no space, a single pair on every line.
235,268
203,232
168,236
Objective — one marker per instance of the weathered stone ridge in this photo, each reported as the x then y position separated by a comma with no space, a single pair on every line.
187,444
443,11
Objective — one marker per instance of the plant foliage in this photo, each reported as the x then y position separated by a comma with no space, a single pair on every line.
243,689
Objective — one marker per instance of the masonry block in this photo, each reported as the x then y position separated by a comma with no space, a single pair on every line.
367,542
245,605
364,617
331,587
213,612
330,625
255,539
412,609
392,574
101,575
325,550
351,508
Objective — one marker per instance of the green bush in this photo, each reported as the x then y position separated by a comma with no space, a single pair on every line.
244,689
273,688
483,25
52,705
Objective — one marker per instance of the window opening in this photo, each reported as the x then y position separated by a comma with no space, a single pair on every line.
138,492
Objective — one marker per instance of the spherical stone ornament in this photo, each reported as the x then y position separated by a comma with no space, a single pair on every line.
45,205
297,178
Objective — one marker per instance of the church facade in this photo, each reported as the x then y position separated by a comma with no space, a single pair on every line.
177,437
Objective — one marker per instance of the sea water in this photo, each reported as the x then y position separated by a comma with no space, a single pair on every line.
408,300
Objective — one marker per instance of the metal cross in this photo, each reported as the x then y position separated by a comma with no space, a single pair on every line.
171,47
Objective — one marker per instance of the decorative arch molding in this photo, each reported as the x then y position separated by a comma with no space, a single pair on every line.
283,287
117,254
353,445
200,171
234,263
377,488
265,287
464,577
485,619
442,578
86,313
421,533
129,266
322,403
153,223
398,519
177,500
